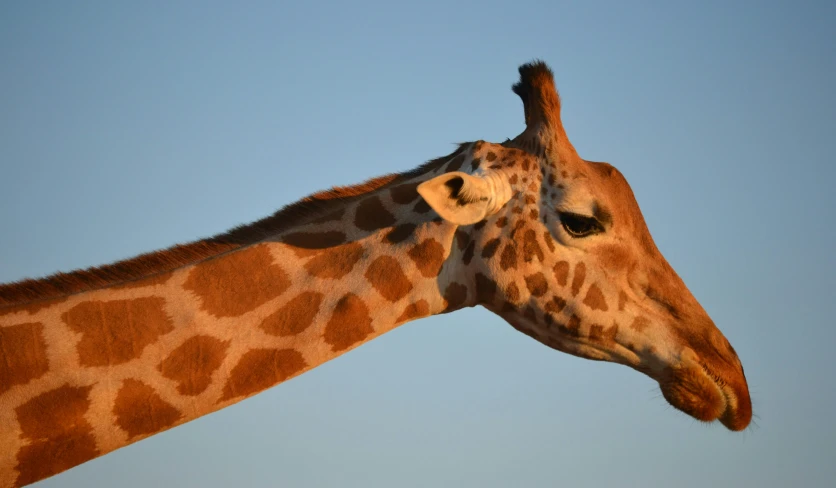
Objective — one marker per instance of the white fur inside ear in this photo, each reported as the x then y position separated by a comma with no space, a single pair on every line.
461,198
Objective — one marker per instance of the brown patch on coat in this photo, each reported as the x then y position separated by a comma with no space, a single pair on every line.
555,305
307,243
490,248
259,369
572,328
519,226
468,253
456,163
462,239
22,354
531,248
191,365
601,335
421,207
513,292
475,163
513,179
577,280
414,311
537,284
59,437
400,233
387,277
295,316
237,283
455,295
508,260
547,236
405,194
117,331
139,410
640,323
595,299
336,262
350,323
502,222
428,257
561,272
485,289
372,215
530,314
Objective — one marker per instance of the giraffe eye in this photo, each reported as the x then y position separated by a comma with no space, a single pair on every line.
579,225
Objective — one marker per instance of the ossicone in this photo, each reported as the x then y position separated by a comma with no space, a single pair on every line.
539,95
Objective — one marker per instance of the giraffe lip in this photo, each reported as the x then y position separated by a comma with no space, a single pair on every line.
688,388
735,416
706,396
721,386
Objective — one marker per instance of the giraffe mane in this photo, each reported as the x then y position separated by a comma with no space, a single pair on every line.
152,263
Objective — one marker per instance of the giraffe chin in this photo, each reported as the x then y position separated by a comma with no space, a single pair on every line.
694,391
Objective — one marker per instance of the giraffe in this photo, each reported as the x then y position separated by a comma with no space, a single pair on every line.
97,359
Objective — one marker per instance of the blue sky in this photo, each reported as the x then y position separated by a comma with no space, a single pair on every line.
130,126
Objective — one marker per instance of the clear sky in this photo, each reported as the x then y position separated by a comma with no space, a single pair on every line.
130,126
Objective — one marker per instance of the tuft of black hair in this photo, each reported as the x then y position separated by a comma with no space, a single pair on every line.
528,72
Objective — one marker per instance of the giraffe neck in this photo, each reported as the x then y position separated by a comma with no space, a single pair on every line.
95,371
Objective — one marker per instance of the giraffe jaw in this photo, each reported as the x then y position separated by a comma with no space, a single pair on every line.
689,385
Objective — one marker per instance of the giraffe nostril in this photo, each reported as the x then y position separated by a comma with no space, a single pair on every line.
722,348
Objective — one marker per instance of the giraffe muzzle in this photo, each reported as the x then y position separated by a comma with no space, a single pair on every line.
708,394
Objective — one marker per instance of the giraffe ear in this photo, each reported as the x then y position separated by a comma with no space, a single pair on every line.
461,198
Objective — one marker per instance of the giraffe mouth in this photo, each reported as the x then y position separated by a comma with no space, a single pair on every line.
735,416
706,396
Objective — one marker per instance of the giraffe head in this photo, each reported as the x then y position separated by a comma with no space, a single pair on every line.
558,247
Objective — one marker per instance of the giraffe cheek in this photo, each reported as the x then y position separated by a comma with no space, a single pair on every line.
613,259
